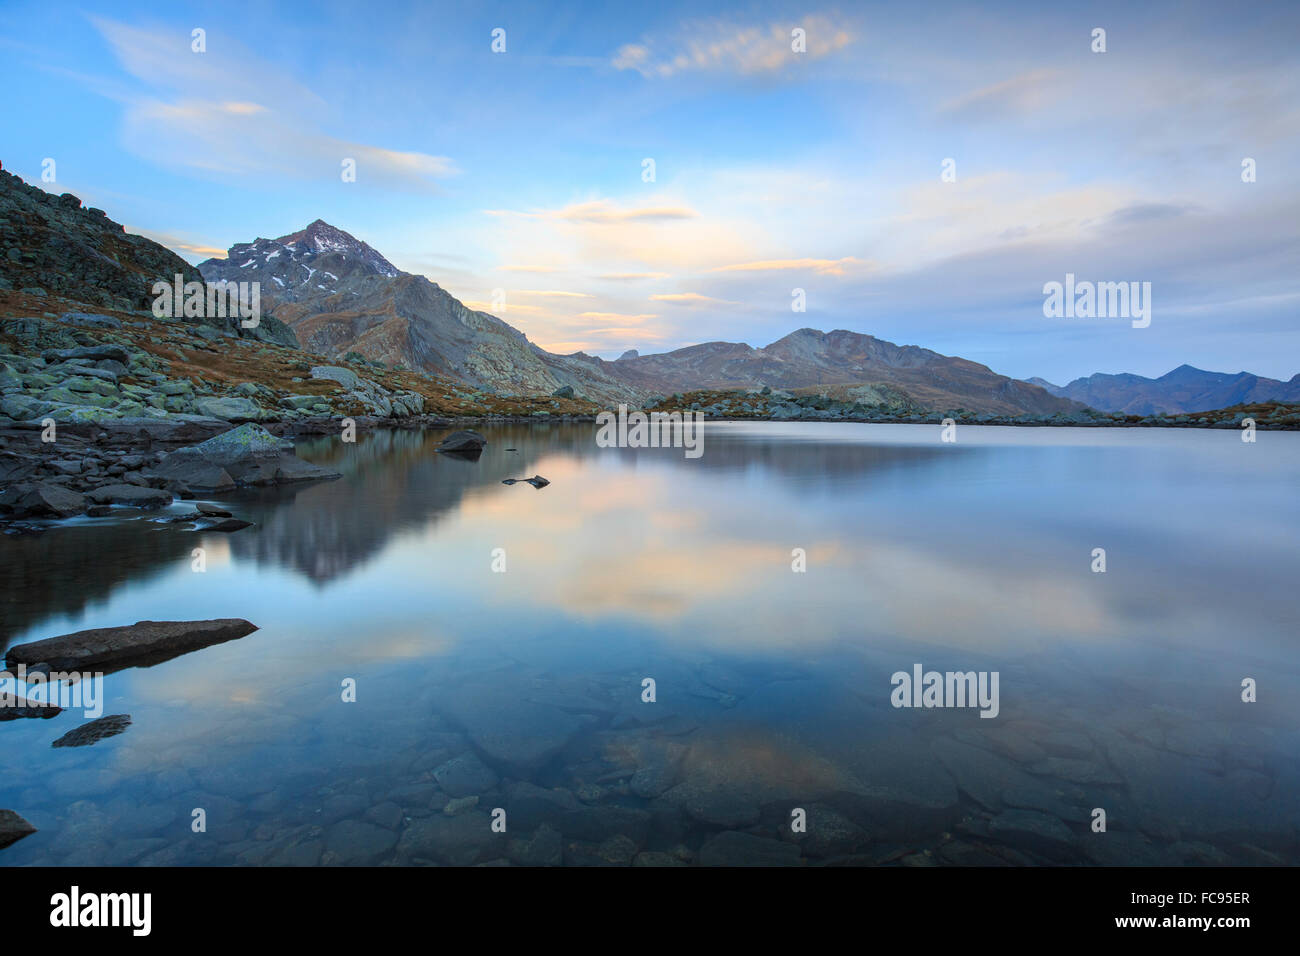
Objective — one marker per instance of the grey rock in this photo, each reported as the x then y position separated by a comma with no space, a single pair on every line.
133,495
463,442
94,352
42,499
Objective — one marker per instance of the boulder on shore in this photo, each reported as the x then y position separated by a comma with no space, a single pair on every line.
140,644
132,495
41,499
247,455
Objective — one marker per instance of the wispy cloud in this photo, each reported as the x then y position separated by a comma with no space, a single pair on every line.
835,267
603,211
229,112
690,298
731,46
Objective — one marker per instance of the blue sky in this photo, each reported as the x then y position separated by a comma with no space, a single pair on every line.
522,171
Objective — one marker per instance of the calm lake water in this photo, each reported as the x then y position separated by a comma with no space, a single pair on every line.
523,688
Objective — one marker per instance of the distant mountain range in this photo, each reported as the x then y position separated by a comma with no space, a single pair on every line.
1184,390
339,295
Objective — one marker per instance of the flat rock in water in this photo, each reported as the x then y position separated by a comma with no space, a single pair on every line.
212,511
537,481
13,828
95,731
142,643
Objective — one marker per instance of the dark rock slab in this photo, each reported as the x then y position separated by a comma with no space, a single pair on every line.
93,352
140,644
13,828
191,469
95,731
133,495
212,511
537,481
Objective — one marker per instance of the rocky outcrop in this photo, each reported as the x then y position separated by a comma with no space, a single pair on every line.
145,642
373,397
247,455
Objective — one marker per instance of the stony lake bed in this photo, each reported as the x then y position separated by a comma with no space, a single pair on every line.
497,639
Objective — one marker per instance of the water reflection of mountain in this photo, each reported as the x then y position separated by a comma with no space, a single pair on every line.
394,481
75,566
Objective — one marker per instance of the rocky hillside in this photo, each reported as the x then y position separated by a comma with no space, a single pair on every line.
1185,390
342,297
51,245
810,357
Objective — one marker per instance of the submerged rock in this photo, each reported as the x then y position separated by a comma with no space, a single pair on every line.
95,731
13,828
139,644
537,481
